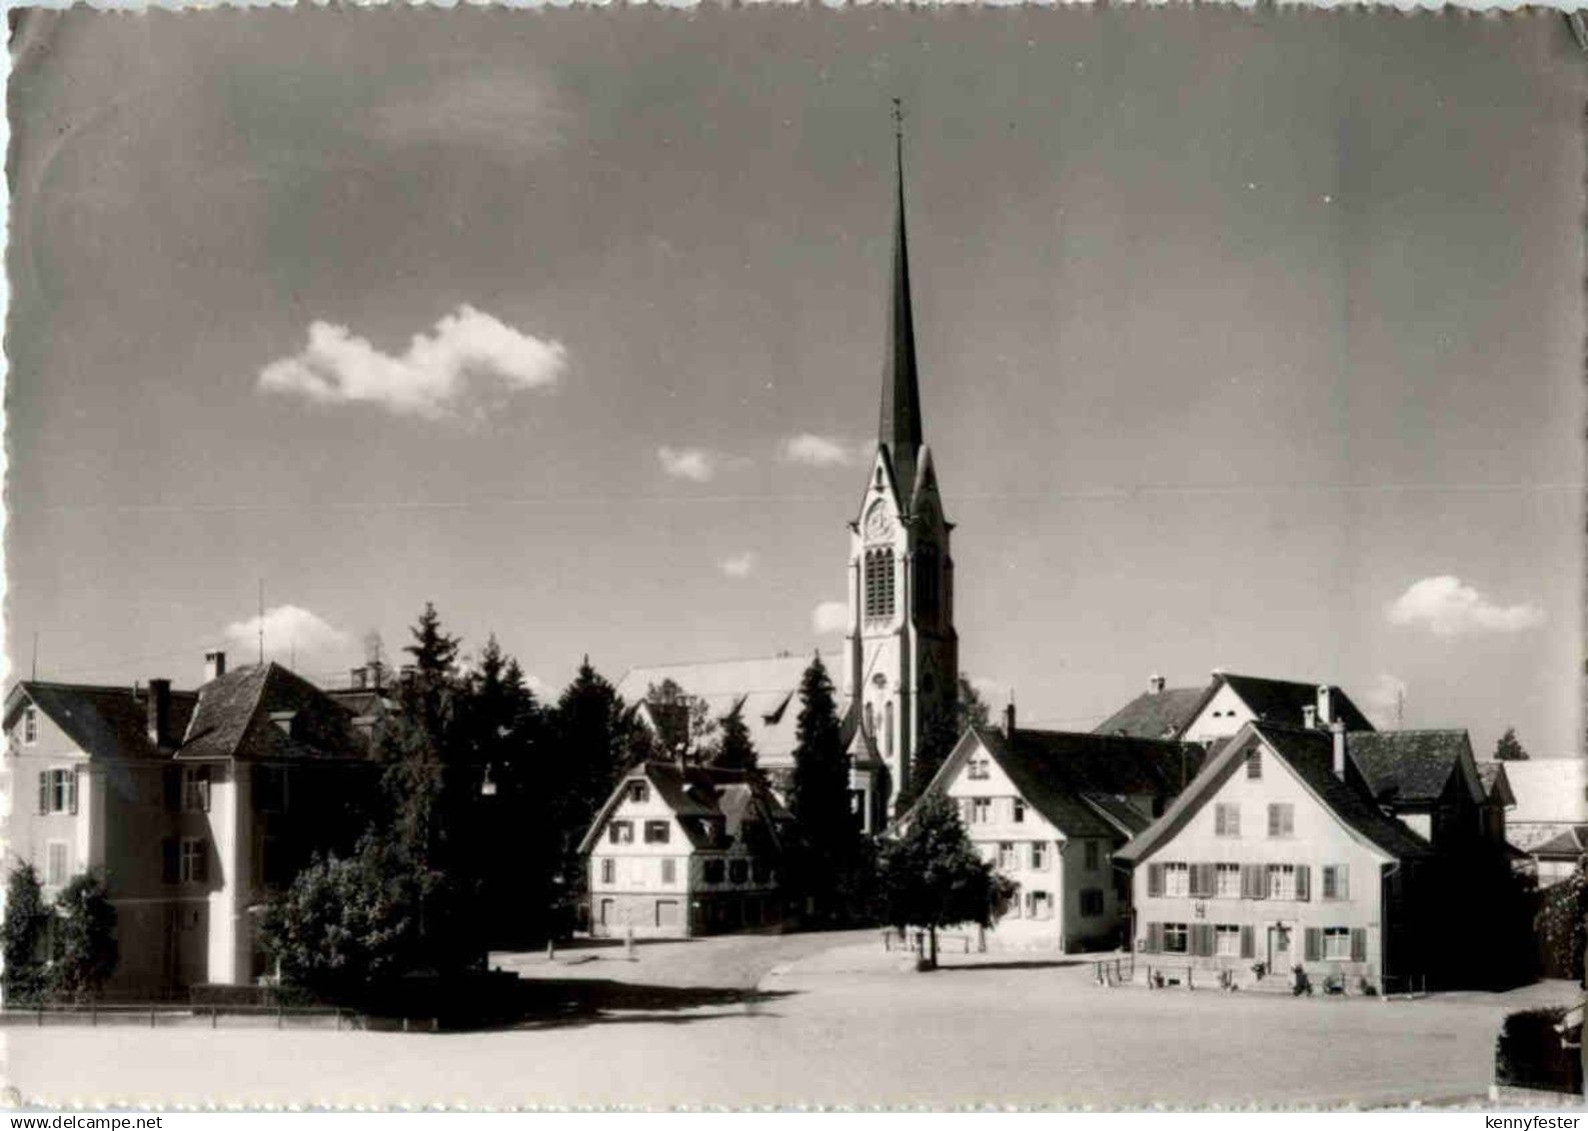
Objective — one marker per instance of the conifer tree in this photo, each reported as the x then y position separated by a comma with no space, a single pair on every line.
1509,748
826,831
735,750
592,746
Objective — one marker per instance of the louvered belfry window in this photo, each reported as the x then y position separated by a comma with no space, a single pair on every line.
879,584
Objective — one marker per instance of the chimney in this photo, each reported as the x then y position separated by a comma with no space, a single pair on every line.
214,665
159,716
358,679
1154,684
1337,732
1309,717
1325,704
1009,718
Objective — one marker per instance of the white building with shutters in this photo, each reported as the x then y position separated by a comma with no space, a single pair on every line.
1277,856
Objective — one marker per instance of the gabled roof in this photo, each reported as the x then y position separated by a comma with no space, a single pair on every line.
767,686
1496,784
234,719
104,722
1079,782
1156,714
1414,767
1568,844
737,802
1310,755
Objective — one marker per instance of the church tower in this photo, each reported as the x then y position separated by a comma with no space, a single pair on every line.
903,652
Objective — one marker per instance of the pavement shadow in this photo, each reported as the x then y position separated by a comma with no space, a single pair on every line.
553,1003
1044,964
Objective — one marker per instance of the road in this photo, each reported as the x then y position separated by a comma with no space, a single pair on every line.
833,1020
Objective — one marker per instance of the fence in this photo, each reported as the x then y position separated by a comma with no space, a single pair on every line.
154,1012
1115,971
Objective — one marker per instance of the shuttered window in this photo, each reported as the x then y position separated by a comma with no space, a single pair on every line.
1336,881
1204,881
1154,879
1314,944
1358,944
1226,819
1227,881
1248,942
1254,881
57,791
1176,938
1176,880
1281,881
1227,940
1281,818
1303,881
1336,944
1154,942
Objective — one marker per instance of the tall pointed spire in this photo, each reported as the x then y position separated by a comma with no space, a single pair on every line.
899,430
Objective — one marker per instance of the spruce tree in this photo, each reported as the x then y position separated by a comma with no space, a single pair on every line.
826,831
1509,749
592,745
735,750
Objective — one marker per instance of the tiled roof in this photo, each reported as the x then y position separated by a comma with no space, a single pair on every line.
700,796
1408,767
768,688
104,722
1282,701
1155,714
1548,789
1077,780
1310,754
1496,782
1568,844
233,719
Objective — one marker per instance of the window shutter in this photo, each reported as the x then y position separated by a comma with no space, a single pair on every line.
71,791
168,860
1314,951
1248,942
1254,881
1303,881
204,786
1342,881
1218,820
1210,880
1273,820
1358,944
1154,879
1202,939
1154,938
44,791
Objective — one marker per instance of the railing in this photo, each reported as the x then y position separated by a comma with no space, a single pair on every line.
154,1011
1404,986
1115,971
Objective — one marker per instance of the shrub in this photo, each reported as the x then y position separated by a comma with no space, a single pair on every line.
1530,1053
1560,927
86,951
22,937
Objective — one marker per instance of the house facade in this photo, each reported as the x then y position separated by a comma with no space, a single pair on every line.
1227,702
679,851
192,805
1276,857
1049,809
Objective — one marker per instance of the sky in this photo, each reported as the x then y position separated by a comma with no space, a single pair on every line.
1247,341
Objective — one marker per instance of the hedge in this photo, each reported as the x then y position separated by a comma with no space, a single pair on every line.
1531,1054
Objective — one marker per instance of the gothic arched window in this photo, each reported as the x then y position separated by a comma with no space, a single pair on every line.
879,583
928,591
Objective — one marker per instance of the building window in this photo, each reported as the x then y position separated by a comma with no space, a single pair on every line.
1337,944
669,870
977,770
1006,856
1227,940
1018,812
1281,818
55,868
879,583
738,871
1336,881
1091,902
57,791
609,871
1227,881
1039,856
1176,880
712,873
1226,819
639,792
1281,881
656,832
1176,938
1254,764
194,863
621,832
30,725
1039,905
1094,855
980,810
195,789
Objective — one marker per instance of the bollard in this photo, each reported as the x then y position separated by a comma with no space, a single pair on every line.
551,950
628,943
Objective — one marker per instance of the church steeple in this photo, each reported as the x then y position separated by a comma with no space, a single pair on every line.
899,430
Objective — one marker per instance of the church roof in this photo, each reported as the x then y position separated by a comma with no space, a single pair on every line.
765,688
899,425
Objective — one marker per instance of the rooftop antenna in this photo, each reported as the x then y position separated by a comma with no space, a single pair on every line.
261,622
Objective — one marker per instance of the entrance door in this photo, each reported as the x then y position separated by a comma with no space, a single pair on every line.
1279,950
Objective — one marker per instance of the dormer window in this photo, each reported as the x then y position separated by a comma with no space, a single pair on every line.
30,725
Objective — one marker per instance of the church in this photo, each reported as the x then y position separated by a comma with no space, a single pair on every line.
900,664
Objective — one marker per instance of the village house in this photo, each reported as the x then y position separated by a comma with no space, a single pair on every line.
1549,814
1225,704
1049,809
683,850
192,805
1279,856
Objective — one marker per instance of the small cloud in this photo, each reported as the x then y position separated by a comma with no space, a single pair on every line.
290,630
816,451
1384,700
740,565
1447,608
830,617
436,374
694,464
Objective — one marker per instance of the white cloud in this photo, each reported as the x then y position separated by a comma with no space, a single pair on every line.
830,617
695,464
288,630
430,380
1384,699
816,451
1446,607
740,565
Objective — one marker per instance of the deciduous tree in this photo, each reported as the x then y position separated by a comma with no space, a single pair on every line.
22,936
86,949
